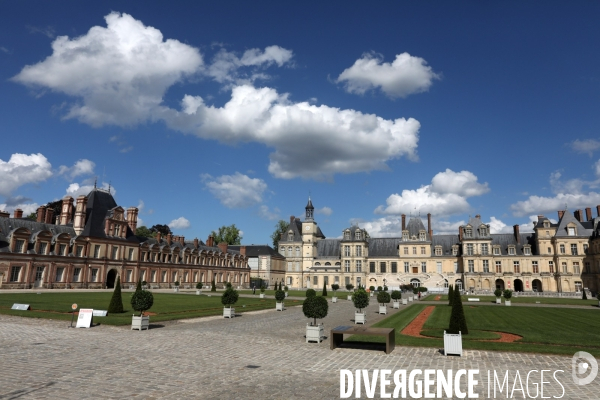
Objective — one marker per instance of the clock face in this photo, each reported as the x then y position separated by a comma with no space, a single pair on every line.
307,228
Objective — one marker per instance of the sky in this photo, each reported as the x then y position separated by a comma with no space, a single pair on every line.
203,114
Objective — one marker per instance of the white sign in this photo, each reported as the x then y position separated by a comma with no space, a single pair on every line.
99,313
85,318
18,306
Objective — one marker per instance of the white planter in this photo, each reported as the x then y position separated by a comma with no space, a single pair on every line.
371,294
404,302
198,291
314,333
396,304
228,312
176,289
410,299
279,306
262,295
334,299
286,294
498,300
350,298
453,343
382,309
360,318
507,302
140,323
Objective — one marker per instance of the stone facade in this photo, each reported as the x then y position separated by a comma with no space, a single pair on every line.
556,257
93,241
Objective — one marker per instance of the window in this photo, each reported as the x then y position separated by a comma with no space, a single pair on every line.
290,236
471,265
406,268
414,250
347,265
358,235
468,232
76,274
14,274
438,250
297,266
79,251
496,251
117,230
358,251
347,235
358,266
578,287
534,267
394,267
115,251
455,266
571,231
484,249
406,250
438,265
43,248
454,250
576,269
551,266
527,251
19,246
423,266
59,274
347,280
511,251
372,267
498,267
565,268
94,275
547,233
422,236
483,231
486,266
164,276
562,249
346,251
549,250
316,280
574,249
585,248
516,267
153,276
62,250
382,267
422,250
469,249
326,280
96,252
130,257
404,235
289,266
298,251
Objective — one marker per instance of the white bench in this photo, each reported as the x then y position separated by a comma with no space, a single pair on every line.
473,299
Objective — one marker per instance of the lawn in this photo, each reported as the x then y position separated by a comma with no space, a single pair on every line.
544,330
166,306
527,300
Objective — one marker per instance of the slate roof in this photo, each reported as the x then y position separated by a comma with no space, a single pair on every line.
446,241
582,228
476,223
329,248
353,230
257,250
384,247
100,204
415,226
7,225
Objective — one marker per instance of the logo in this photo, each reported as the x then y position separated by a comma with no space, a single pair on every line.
583,363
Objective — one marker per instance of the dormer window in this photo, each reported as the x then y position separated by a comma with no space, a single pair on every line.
483,231
290,236
19,245
546,224
438,250
511,251
358,235
422,236
347,235
571,231
404,235
468,232
454,250
527,251
117,229
496,250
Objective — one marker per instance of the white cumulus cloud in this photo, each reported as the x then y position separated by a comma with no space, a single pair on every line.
83,189
179,223
587,146
27,208
236,191
265,213
22,169
81,167
404,76
324,211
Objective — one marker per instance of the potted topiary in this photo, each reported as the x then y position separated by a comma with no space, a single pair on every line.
385,288
498,294
379,288
141,301
228,298
285,289
349,288
360,300
279,296
176,288
315,307
334,287
507,295
199,288
396,296
262,291
371,290
310,293
383,298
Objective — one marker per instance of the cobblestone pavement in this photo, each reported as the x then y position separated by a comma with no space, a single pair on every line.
261,355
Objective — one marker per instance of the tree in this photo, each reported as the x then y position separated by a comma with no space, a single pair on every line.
584,295
396,295
32,216
458,322
315,307
143,231
280,227
116,301
227,234
450,295
383,297
324,289
229,297
138,288
335,288
163,229
280,295
213,286
360,298
310,293
142,301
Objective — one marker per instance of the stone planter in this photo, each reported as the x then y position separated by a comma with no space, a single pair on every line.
453,344
228,312
498,300
371,294
176,289
286,294
334,299
382,309
410,298
396,304
360,318
140,323
279,306
198,291
404,302
350,298
314,333
507,302
262,295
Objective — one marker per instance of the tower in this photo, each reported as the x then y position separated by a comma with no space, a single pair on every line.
309,236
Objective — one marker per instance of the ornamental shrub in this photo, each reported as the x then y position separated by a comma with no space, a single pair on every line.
116,301
229,297
383,297
450,295
213,286
349,287
507,294
379,288
315,307
385,288
139,285
584,295
142,301
262,288
177,283
458,322
279,295
372,288
199,285
335,287
285,288
324,290
228,285
396,294
360,298
310,293
144,283
498,292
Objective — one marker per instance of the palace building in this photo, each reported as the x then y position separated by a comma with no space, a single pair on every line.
556,257
93,241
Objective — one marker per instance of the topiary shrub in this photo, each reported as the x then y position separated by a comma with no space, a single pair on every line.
280,295
458,322
379,288
262,288
584,295
315,307
383,297
213,286
176,283
507,294
421,289
116,301
285,288
498,292
372,288
310,293
335,288
144,283
142,301
139,285
228,285
385,288
349,287
396,294
199,285
450,295
324,290
229,297
360,298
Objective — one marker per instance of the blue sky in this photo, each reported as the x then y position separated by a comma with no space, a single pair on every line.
210,114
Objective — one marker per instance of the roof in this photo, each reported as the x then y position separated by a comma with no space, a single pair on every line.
328,248
476,224
384,247
100,204
582,228
415,226
9,224
257,250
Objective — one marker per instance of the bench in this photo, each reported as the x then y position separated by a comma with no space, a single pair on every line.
337,335
473,299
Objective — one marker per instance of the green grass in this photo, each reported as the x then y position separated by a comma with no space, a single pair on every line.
166,306
544,330
528,300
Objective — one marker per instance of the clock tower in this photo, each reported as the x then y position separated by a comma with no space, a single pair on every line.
309,237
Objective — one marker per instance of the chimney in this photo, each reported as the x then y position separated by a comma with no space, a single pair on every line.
292,219
18,213
169,238
182,240
243,250
560,214
158,237
429,226
460,233
579,215
223,247
196,243
66,210
4,214
540,217
598,210
210,241
588,214
49,215
478,216
403,222
41,212
80,209
517,235
281,236
132,218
